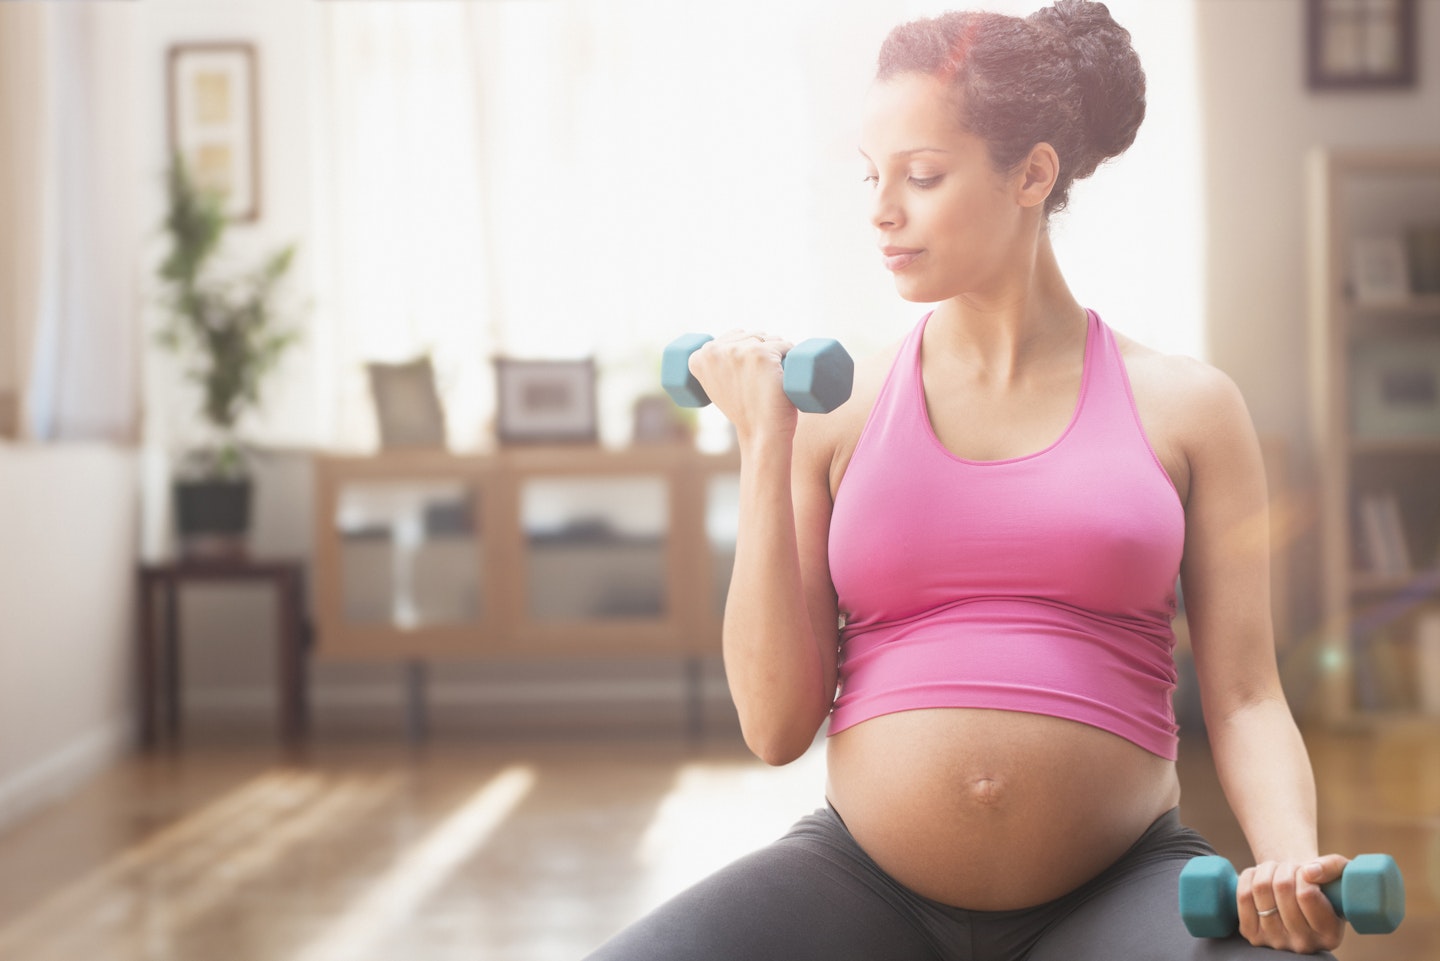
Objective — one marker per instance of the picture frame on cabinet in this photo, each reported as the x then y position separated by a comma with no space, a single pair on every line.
408,412
546,401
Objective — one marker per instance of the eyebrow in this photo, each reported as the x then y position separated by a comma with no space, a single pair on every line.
907,153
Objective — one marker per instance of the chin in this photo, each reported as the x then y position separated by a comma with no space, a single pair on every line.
916,293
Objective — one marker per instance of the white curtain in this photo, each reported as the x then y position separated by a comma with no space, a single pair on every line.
69,325
562,178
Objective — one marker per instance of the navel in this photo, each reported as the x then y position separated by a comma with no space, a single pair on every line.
986,791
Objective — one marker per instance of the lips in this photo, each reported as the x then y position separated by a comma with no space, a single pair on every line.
898,258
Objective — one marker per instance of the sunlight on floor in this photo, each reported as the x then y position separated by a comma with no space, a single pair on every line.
716,813
392,899
190,867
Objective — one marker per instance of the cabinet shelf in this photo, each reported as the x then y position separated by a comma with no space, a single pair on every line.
1402,446
1418,583
1424,307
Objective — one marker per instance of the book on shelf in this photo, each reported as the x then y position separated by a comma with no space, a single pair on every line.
1384,550
1427,643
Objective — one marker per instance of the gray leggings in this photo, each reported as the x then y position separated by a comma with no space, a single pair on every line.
814,895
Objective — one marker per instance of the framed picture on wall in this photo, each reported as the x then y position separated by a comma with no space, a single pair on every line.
214,112
546,401
1358,44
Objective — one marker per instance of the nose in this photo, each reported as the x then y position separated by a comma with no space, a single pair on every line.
886,212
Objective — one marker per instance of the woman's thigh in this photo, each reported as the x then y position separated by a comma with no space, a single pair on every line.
1137,918
807,896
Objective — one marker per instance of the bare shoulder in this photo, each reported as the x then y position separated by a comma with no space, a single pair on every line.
1193,413
1187,391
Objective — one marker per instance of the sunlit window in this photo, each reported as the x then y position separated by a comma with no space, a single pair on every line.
592,177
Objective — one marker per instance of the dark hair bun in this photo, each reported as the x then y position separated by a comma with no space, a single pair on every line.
1107,71
1065,75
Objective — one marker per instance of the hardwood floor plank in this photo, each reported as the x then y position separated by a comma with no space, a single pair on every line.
517,851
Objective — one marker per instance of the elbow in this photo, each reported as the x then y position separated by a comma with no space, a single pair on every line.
778,749
779,732
775,755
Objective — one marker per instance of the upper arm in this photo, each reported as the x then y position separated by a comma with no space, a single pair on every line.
1225,571
811,497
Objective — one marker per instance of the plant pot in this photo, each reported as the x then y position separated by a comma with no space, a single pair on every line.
212,517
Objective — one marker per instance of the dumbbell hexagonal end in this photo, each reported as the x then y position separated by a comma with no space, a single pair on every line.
818,375
1207,897
675,374
1373,893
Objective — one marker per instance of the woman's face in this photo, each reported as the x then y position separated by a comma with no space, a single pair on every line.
948,224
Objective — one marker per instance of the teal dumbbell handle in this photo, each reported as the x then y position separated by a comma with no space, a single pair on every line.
1370,895
818,373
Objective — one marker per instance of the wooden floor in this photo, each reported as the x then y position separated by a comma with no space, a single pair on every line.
520,851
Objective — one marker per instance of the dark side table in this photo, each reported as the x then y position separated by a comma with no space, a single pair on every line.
160,650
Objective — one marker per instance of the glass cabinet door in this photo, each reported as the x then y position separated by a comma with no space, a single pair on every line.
410,553
595,547
722,527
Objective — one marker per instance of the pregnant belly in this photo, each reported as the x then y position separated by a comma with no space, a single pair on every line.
993,810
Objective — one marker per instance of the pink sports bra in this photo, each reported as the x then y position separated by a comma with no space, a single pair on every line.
1043,584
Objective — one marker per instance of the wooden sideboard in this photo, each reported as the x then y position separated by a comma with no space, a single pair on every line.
527,552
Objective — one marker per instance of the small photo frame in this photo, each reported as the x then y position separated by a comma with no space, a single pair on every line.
659,420
1360,44
1396,389
1380,273
407,405
546,401
214,109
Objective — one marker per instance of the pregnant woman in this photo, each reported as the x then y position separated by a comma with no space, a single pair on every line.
969,569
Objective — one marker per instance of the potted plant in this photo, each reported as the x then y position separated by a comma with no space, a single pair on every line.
230,335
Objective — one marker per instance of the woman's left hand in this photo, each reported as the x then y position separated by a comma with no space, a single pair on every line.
1281,905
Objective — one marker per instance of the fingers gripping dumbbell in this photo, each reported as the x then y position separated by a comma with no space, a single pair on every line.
818,373
1370,895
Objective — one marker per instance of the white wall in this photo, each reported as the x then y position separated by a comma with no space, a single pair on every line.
68,527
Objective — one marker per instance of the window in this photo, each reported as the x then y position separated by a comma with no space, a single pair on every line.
593,177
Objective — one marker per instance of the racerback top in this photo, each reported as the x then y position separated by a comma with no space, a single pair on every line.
1044,584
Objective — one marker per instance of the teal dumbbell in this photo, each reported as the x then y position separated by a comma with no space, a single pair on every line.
1370,895
818,373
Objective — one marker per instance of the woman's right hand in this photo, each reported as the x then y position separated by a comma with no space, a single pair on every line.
742,373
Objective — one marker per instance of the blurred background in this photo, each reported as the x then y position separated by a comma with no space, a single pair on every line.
336,496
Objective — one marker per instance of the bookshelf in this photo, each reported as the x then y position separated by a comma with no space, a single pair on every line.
1375,381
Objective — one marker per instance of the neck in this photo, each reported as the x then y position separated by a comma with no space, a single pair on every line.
1027,317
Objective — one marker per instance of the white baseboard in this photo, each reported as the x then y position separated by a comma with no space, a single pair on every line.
62,770
459,694
567,700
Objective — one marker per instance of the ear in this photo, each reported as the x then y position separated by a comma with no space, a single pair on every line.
1037,175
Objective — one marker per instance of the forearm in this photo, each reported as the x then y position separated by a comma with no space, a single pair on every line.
776,674
1266,774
